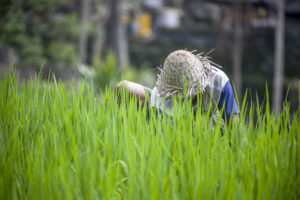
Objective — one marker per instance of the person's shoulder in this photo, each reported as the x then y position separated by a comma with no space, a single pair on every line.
218,78
220,74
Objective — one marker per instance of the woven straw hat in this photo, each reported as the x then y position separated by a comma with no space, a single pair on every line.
178,65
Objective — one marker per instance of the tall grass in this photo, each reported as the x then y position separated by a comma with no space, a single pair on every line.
58,144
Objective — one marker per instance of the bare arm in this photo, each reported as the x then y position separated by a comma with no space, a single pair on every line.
133,89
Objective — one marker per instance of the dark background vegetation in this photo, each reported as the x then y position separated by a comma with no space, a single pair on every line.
109,40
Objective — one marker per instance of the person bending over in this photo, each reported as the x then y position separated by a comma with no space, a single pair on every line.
199,74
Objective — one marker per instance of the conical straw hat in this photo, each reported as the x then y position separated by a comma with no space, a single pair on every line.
181,65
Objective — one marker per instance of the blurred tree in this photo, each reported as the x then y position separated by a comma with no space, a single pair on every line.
117,33
99,19
238,47
40,30
279,56
174,3
83,37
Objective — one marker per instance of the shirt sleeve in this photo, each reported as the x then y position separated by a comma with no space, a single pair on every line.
227,98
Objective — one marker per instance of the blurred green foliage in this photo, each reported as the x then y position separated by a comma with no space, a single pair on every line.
39,30
107,72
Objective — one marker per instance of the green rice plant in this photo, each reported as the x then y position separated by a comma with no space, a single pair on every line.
78,144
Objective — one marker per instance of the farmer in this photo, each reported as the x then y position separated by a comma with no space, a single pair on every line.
200,76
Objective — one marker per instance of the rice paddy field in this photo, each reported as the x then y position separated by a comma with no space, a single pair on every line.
58,143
